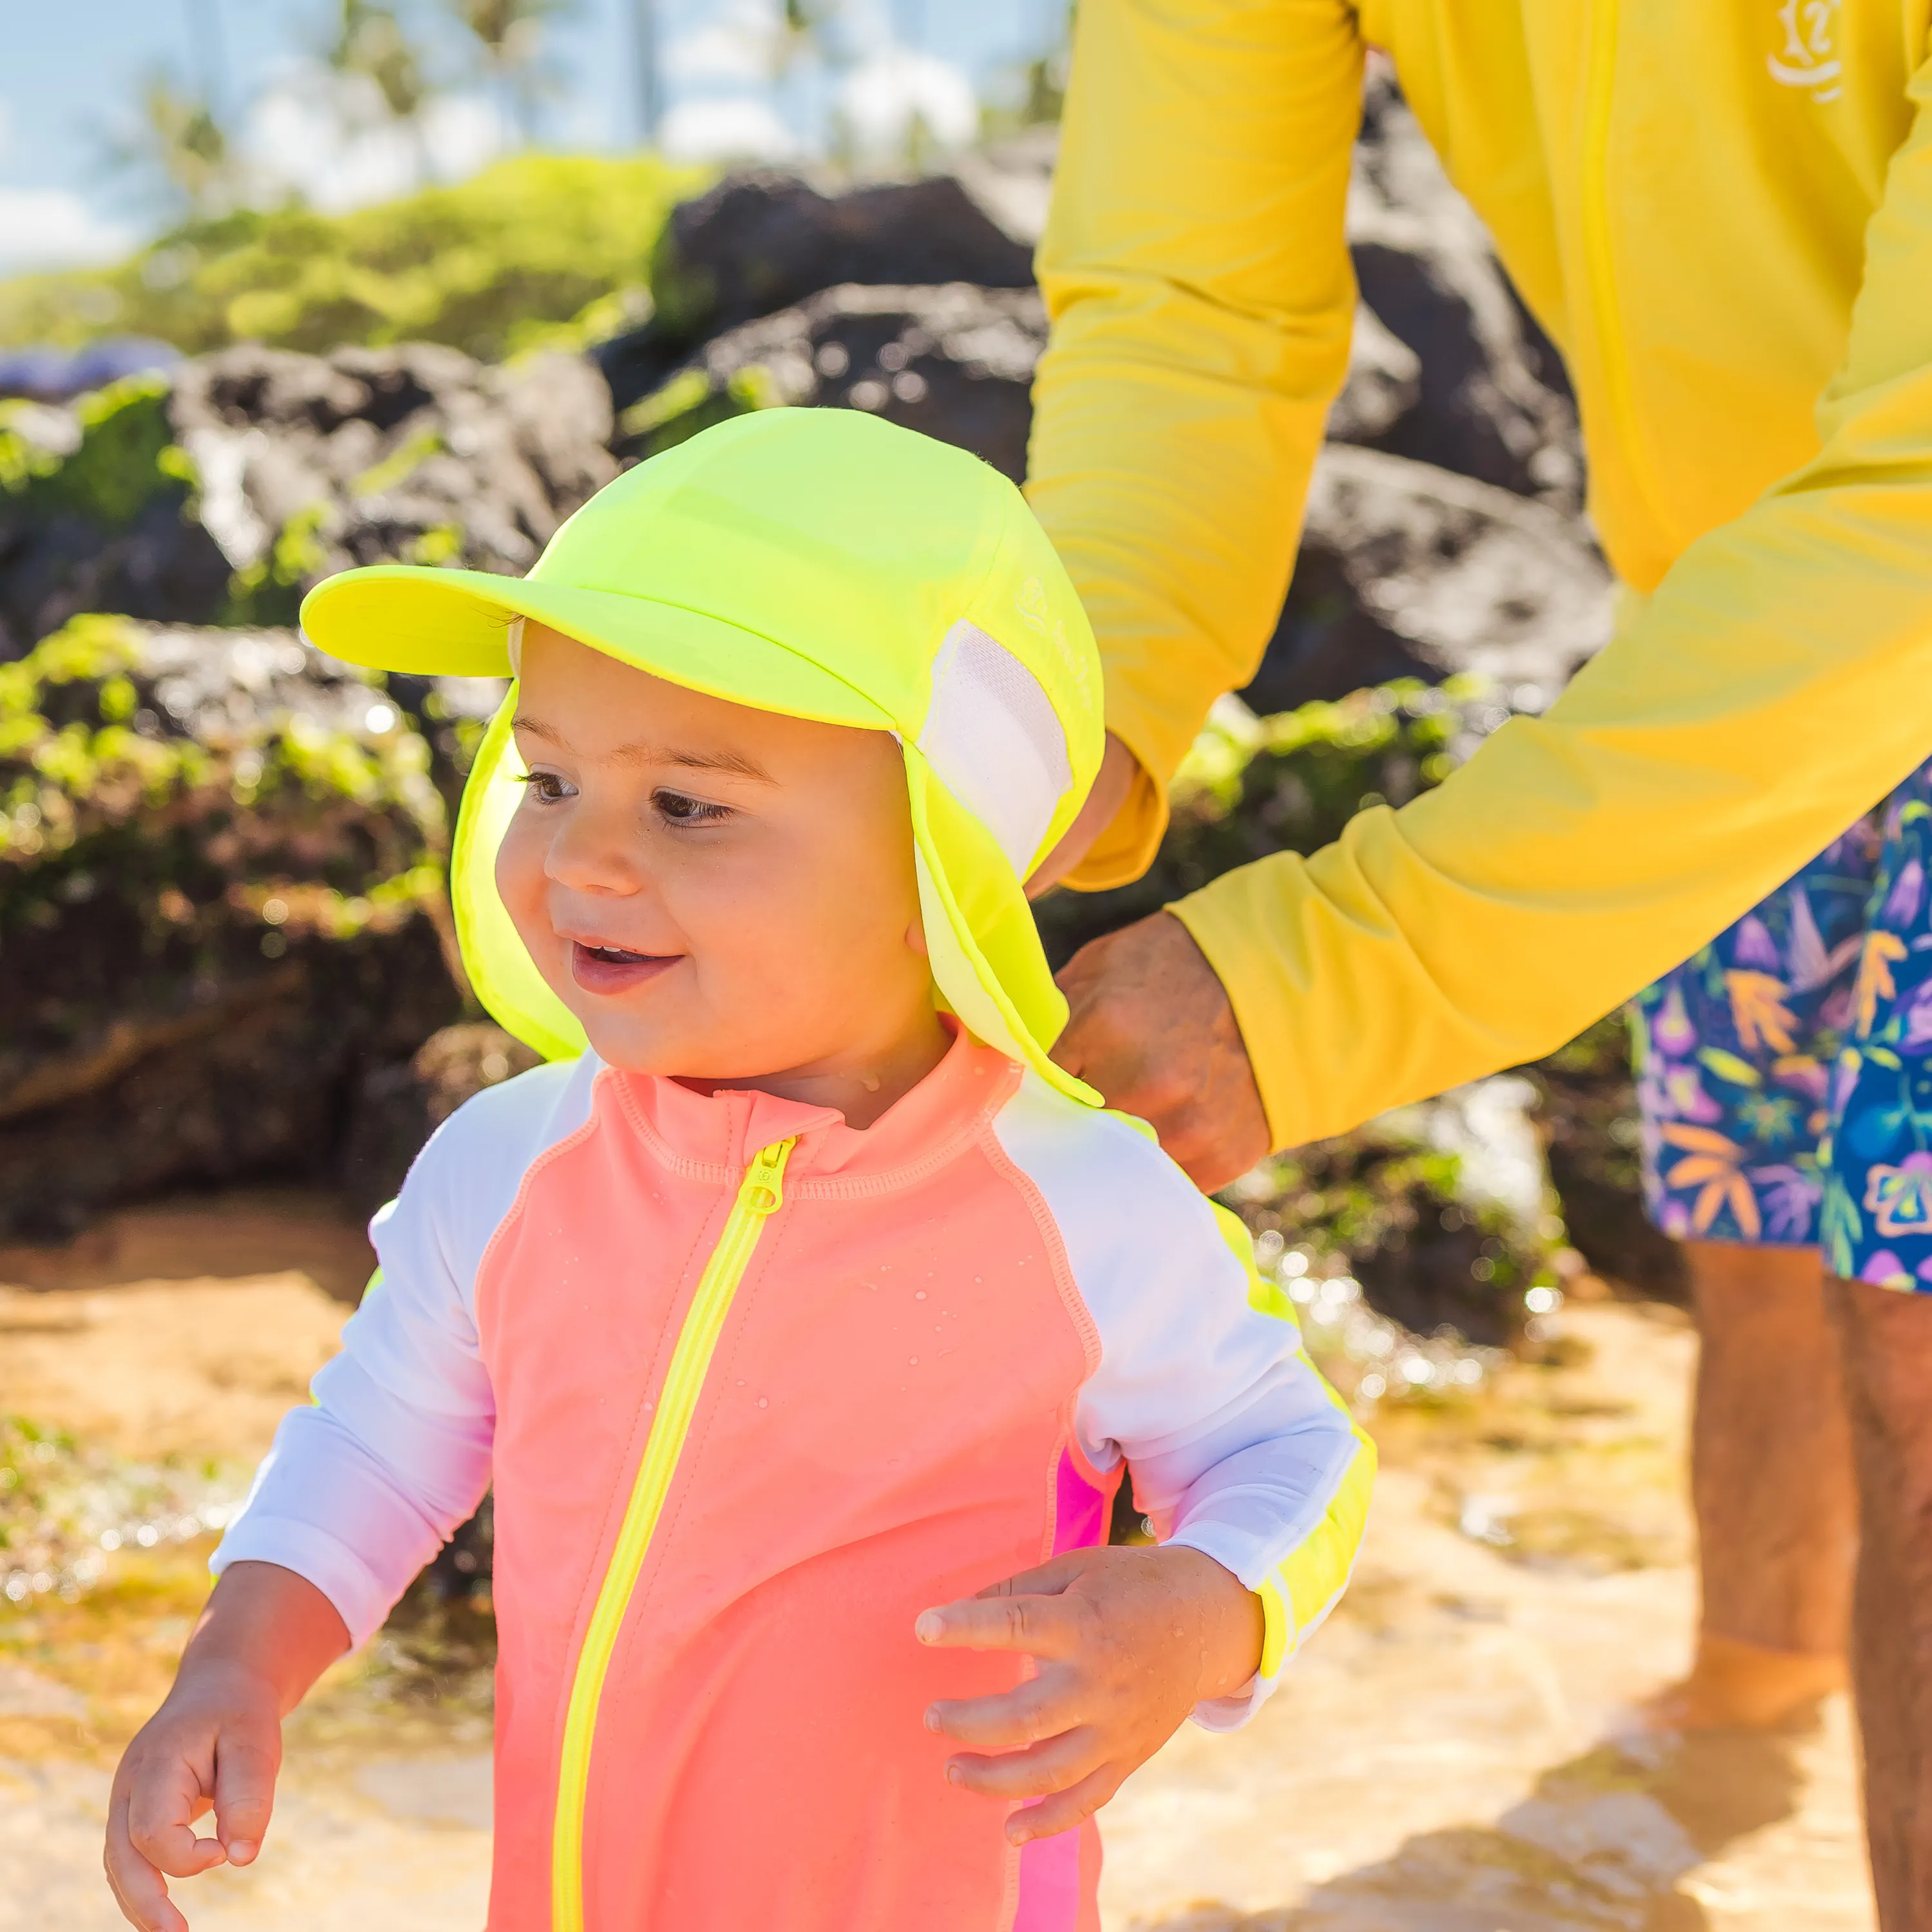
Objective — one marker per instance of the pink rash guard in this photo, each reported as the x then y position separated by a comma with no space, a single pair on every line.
953,1333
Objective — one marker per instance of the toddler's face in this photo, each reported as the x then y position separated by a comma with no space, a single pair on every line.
716,893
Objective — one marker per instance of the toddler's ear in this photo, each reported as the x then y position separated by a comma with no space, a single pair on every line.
915,937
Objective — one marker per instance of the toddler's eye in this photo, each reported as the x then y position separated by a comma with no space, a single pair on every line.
681,808
547,787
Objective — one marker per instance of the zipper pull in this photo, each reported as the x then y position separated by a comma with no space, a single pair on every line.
763,1191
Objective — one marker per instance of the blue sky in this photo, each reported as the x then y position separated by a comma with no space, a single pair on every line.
69,73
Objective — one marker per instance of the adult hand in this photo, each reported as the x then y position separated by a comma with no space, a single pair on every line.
1115,779
1127,1641
1152,1028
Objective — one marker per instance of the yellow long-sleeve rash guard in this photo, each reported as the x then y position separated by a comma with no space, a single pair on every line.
1722,214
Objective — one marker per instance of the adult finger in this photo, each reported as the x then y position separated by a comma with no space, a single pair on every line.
1042,1707
1119,769
1055,1764
1044,1579
1040,1626
1065,1809
245,1795
162,1797
1151,1026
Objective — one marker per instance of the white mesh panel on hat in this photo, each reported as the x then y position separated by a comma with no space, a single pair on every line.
993,739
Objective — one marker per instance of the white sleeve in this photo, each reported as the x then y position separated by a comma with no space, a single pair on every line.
361,1488
1236,1445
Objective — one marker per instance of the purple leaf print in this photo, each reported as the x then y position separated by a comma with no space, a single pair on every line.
1787,1194
1755,946
1917,1035
1800,1071
1671,1029
1684,1098
1901,903
1844,1077
1810,964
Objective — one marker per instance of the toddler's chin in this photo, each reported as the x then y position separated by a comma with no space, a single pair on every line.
633,1048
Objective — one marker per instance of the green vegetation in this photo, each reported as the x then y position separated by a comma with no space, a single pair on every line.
64,1507
538,249
127,457
294,829
1387,1210
1291,782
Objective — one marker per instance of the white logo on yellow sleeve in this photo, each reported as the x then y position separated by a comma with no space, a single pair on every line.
1807,58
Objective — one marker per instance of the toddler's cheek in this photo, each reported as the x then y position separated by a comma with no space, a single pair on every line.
522,886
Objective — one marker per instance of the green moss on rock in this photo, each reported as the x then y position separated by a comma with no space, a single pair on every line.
221,900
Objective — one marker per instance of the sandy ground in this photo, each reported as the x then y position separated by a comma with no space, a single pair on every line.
1437,1762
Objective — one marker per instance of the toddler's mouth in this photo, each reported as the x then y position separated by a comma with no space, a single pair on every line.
611,969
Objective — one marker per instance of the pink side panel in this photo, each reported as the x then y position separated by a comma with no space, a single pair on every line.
1050,1884
1081,1507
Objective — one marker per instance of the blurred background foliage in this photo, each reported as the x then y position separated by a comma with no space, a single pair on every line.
536,250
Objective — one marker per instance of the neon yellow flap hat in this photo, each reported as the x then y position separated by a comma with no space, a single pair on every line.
823,564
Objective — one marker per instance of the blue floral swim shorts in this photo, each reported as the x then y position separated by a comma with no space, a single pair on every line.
1785,1071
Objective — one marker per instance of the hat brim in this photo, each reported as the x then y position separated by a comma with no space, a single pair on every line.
455,623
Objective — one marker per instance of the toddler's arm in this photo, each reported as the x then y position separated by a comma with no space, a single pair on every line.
360,1489
1255,1477
216,1742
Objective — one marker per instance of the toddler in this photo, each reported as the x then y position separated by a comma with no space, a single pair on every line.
803,1314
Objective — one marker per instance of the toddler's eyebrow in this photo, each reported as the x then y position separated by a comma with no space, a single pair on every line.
642,751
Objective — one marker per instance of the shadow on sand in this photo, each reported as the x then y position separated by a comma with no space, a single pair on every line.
1599,1846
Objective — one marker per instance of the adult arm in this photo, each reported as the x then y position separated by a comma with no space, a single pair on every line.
1197,272
1770,692
1773,688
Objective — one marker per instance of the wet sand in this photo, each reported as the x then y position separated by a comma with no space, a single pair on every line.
1436,1761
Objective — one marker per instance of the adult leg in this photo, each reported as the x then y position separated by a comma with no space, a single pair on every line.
1885,1341
1771,1485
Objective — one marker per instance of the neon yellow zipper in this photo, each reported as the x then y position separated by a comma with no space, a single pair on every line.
760,1196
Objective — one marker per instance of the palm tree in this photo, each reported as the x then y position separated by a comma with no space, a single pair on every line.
509,37
650,74
371,45
179,146
210,53
371,41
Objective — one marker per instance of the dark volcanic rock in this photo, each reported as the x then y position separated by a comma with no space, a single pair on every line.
92,517
1586,1111
1408,571
1286,783
221,904
399,1107
764,241
220,493
1385,383
309,464
955,362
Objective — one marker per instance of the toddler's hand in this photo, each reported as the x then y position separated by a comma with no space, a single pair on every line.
217,1742
1128,1641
